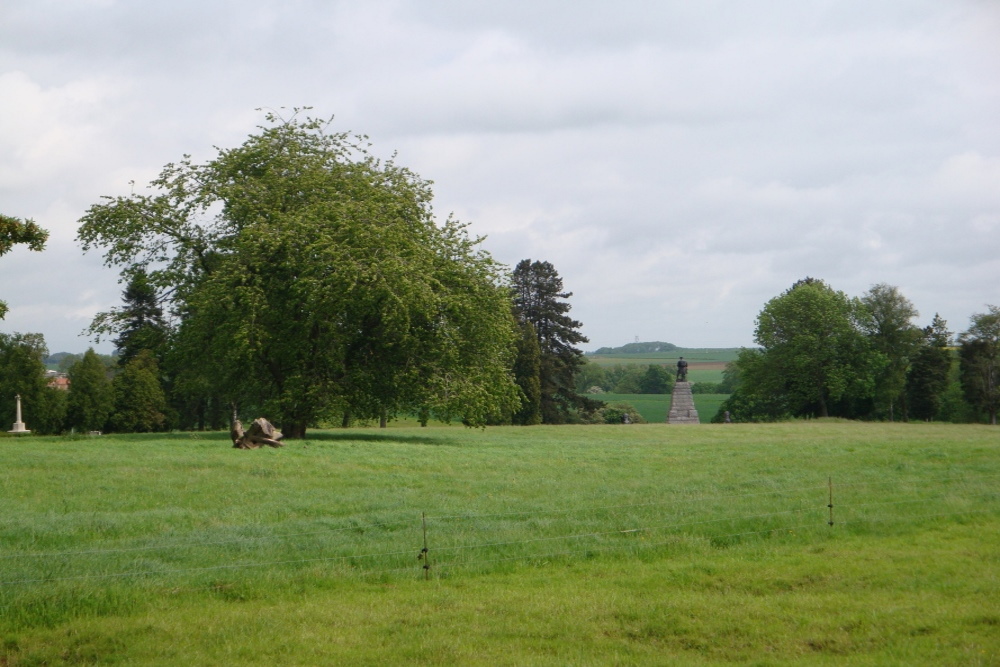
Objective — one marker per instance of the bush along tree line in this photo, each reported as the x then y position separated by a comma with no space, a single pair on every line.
824,354
300,278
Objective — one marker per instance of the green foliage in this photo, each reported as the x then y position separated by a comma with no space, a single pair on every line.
628,380
91,398
707,388
527,371
312,281
591,375
656,380
139,401
885,319
638,348
539,299
928,377
814,357
139,323
14,231
22,373
979,353
618,412
753,401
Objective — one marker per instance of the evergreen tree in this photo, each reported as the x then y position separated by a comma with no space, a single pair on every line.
539,299
140,321
527,370
927,379
980,362
91,398
139,400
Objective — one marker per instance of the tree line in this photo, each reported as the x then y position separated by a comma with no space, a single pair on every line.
301,278
824,354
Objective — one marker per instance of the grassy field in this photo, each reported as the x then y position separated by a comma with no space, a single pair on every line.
704,364
655,407
647,544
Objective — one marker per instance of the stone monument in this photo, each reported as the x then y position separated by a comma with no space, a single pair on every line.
18,425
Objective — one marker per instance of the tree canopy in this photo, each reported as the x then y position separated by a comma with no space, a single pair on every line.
814,358
980,362
886,320
310,280
539,300
14,231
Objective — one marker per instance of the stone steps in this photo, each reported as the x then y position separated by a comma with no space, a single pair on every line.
682,410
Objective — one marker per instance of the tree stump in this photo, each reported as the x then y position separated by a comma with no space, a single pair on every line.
260,433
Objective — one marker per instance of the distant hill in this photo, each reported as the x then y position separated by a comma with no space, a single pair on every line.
637,348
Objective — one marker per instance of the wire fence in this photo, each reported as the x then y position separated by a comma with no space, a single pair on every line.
428,545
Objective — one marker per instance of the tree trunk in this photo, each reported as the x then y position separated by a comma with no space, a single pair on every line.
823,410
296,430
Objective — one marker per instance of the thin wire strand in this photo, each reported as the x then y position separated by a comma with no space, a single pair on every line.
612,507
627,530
646,545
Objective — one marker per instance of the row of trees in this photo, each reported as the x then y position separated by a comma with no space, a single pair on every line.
625,379
129,398
299,277
823,354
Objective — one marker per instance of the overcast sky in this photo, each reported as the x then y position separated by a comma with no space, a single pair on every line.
680,163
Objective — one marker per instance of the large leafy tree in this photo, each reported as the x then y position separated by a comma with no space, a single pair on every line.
311,280
979,355
539,299
886,319
758,392
814,354
927,379
91,398
14,231
656,380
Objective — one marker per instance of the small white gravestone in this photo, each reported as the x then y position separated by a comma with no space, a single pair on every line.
18,425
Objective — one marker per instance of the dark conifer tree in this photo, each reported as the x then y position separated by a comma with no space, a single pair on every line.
979,356
539,299
927,380
141,320
527,374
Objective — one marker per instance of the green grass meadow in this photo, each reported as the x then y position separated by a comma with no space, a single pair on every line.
591,545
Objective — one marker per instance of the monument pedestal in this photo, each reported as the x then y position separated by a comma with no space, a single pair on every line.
682,410
18,425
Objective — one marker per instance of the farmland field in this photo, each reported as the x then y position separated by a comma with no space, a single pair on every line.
646,544
704,364
716,357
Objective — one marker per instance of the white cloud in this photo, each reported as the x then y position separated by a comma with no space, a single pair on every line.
679,163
